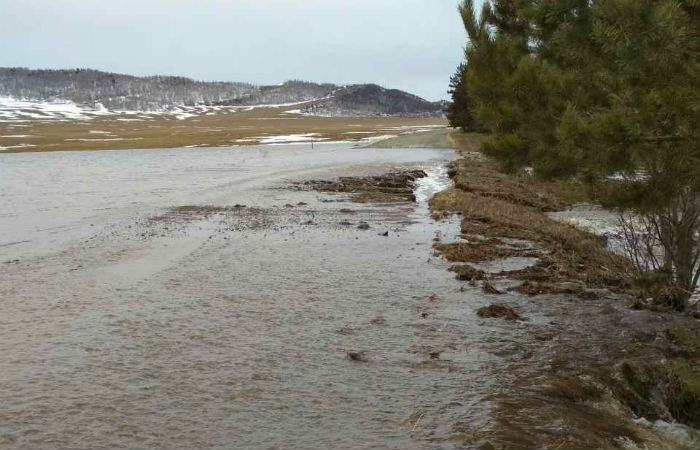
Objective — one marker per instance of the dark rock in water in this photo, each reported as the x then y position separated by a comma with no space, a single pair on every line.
499,310
363,226
309,222
302,204
238,205
491,289
344,223
434,355
346,211
378,321
289,205
357,356
386,233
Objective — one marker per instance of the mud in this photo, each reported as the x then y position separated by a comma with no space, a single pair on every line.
386,188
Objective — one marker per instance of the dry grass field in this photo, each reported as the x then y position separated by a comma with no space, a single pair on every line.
226,127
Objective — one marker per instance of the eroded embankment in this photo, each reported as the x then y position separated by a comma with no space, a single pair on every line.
586,370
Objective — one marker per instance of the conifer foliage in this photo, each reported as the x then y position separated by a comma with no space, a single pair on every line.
597,89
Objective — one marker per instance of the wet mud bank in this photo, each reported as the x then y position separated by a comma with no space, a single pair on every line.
390,187
585,368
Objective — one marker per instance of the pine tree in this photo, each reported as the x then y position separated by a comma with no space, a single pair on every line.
595,89
459,111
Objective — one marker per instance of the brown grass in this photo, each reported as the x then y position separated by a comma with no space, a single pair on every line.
495,205
224,128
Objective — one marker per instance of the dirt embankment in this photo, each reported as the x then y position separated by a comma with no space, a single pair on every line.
590,365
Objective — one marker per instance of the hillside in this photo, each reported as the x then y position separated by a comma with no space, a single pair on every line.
114,91
371,99
95,90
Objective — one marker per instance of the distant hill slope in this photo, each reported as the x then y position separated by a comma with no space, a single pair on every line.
125,92
352,100
293,91
113,90
373,99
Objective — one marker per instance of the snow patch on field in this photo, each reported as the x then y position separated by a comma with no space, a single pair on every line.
184,116
306,137
104,139
9,147
26,110
283,139
378,138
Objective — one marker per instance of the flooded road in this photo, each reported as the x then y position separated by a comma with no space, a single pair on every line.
142,309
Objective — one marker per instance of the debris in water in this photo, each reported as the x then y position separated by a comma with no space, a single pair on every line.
496,310
491,289
357,356
378,320
386,233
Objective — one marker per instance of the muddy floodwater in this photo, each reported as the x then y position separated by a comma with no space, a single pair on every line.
182,299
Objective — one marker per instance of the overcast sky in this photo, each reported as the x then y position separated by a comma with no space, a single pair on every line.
414,45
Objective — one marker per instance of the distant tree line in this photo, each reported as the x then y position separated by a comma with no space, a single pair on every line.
287,92
116,91
604,90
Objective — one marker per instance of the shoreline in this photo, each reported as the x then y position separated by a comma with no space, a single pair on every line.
508,218
605,348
